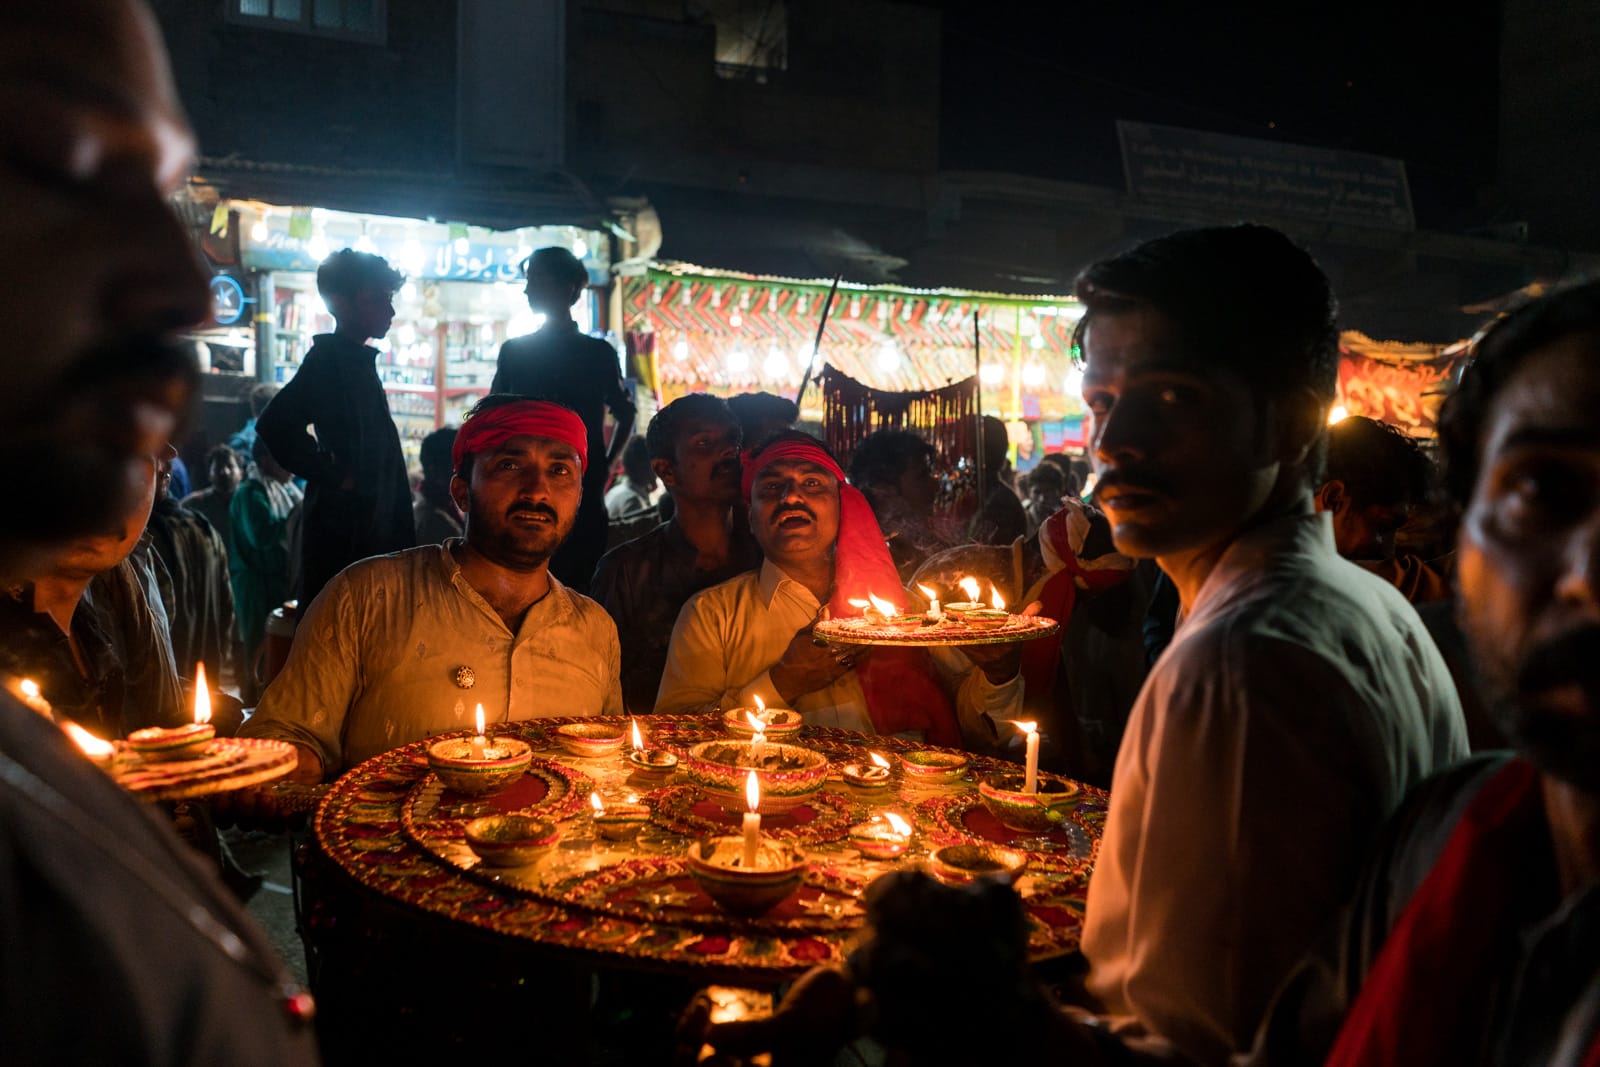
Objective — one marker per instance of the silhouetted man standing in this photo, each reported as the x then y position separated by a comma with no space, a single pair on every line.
561,363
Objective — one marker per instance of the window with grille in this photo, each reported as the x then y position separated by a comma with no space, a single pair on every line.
350,20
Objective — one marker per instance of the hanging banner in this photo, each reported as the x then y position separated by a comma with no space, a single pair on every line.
1405,395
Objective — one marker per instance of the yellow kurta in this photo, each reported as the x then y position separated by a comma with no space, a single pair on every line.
376,659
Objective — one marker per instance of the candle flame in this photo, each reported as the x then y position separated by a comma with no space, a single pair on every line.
202,694
30,688
899,824
932,596
761,707
752,792
1027,727
597,804
862,604
90,745
755,723
879,760
638,739
479,720
969,586
996,599
883,607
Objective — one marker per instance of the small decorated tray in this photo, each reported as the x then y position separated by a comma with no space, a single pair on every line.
662,890
820,818
963,819
230,763
433,814
945,632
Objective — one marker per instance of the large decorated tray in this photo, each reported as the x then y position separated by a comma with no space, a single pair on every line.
915,631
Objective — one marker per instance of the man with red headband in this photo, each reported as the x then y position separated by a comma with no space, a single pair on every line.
407,645
751,636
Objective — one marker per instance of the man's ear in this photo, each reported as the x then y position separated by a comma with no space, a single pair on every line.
459,492
664,471
1331,497
1302,417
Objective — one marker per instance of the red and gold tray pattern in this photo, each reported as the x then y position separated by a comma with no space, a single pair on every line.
230,763
601,914
962,819
547,790
822,818
946,633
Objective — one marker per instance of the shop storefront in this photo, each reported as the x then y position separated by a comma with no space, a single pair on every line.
693,329
463,297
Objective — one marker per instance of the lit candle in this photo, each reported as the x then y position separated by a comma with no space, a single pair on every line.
202,695
28,692
995,599
1030,780
969,586
96,750
879,768
480,743
597,804
758,740
752,820
934,613
638,739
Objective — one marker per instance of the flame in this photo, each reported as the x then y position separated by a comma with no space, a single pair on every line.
933,597
1027,727
752,792
92,746
202,695
761,708
969,586
883,607
638,739
30,688
862,604
996,599
879,760
899,824
755,724
597,804
480,720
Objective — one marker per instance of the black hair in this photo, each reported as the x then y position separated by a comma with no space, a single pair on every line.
1047,475
259,397
1379,465
1243,297
348,272
636,460
489,403
754,410
558,263
217,452
884,455
1495,358
436,448
662,433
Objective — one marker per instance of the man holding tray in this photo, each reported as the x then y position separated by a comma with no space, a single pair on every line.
405,645
752,636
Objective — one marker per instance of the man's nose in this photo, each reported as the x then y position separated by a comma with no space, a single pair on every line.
1580,572
157,283
1119,435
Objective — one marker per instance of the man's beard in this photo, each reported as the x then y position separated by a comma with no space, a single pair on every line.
518,548
70,453
1562,742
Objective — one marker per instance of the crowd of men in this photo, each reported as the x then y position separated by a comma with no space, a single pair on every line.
1304,860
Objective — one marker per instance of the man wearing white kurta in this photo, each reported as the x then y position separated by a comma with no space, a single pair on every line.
406,645
1301,696
751,636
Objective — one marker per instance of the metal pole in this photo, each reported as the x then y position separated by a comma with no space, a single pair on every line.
977,366
805,379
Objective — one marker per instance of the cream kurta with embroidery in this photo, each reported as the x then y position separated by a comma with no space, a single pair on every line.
376,660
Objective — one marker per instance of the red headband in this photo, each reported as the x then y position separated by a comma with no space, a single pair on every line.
523,418
781,450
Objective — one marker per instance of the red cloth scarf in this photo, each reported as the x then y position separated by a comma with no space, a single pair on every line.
522,418
901,687
1427,993
1061,541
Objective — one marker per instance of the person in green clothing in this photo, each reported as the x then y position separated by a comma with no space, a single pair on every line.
259,566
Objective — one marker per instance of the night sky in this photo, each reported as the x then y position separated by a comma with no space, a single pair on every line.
1036,88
